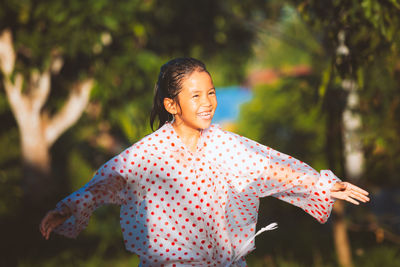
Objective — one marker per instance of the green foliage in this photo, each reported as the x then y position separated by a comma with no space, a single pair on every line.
303,117
370,29
69,258
10,173
285,44
379,256
122,46
270,261
380,108
78,168
286,117
376,256
372,39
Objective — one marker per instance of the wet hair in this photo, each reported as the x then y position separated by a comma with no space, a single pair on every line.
169,84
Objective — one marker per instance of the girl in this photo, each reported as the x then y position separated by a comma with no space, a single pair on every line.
189,192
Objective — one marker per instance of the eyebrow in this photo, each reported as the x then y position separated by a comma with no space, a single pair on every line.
198,91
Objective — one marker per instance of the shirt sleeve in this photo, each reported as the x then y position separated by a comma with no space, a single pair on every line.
297,183
267,172
106,187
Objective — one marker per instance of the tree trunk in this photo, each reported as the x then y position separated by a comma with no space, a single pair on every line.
336,161
38,132
353,167
352,151
341,239
27,95
36,183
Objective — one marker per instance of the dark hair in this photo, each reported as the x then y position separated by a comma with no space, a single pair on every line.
169,84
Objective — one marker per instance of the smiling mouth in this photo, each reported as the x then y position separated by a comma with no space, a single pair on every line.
205,115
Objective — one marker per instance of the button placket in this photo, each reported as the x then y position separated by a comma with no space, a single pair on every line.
201,182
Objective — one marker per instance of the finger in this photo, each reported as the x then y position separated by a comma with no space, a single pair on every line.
45,222
44,230
349,199
45,234
359,196
43,226
358,189
48,231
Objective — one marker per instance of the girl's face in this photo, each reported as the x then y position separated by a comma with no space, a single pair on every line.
196,101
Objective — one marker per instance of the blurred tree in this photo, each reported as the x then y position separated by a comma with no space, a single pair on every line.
353,35
355,66
359,42
60,58
357,38
285,114
37,130
70,45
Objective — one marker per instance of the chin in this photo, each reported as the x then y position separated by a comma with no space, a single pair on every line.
205,124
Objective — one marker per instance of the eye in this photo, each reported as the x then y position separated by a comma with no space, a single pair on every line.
212,93
195,96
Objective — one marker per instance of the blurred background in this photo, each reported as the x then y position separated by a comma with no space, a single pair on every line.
318,80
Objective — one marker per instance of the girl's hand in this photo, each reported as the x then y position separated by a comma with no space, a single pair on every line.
349,192
51,220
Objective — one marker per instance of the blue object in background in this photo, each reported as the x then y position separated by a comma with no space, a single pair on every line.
229,101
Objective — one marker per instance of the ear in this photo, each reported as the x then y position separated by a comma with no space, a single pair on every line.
170,105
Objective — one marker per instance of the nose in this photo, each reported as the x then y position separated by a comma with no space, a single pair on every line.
206,101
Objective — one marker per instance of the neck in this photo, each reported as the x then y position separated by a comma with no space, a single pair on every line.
188,135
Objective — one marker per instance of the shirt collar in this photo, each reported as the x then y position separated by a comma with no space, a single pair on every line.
205,136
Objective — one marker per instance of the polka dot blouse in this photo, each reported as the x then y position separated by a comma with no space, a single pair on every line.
180,208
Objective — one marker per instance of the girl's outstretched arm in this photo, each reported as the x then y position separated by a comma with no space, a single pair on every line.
268,172
313,191
108,186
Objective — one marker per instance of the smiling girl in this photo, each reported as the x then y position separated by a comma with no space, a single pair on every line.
189,192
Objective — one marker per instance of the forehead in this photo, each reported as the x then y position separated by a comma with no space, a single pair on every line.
197,80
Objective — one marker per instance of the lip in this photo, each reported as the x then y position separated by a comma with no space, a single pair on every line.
207,115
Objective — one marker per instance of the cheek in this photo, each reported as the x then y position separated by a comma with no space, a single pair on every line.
189,107
214,102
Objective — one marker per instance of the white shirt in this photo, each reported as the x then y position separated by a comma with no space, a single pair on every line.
180,208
